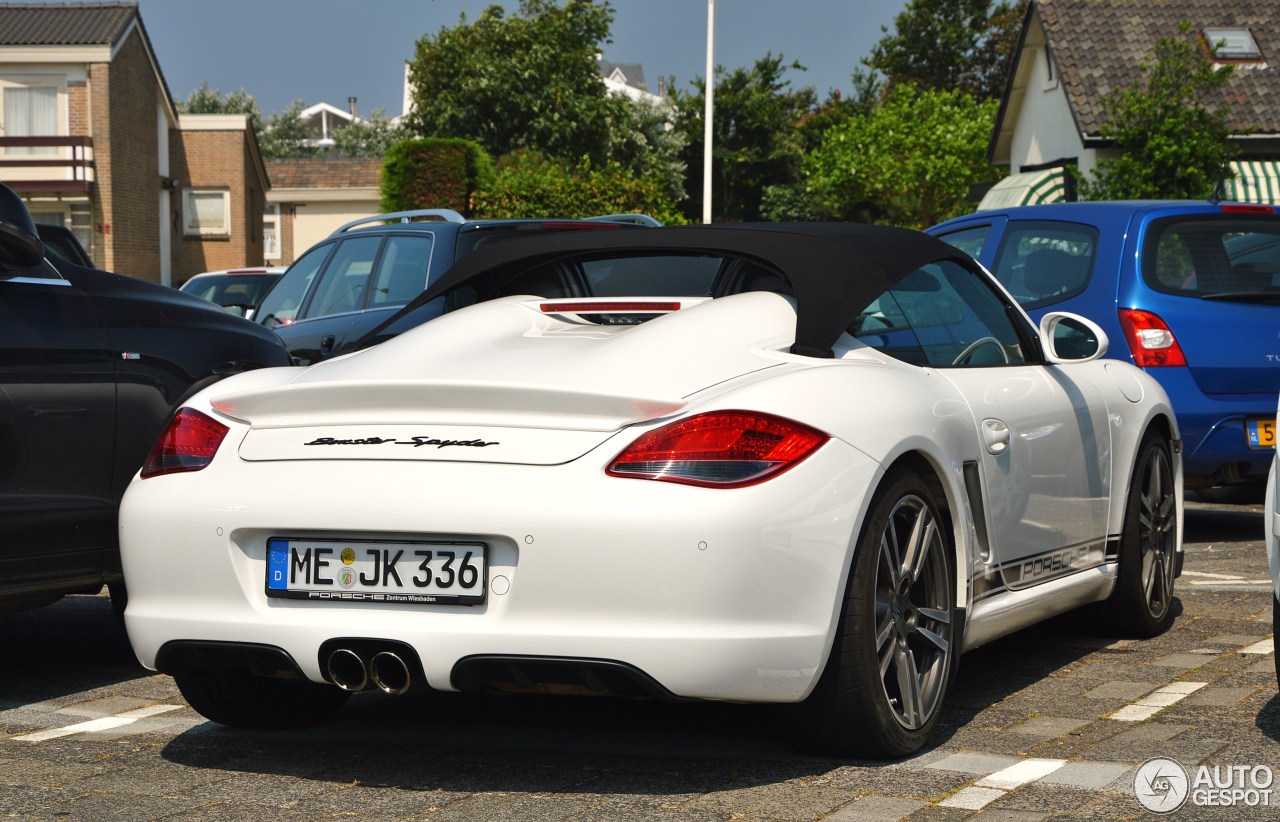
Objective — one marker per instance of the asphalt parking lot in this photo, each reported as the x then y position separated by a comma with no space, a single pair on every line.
1052,722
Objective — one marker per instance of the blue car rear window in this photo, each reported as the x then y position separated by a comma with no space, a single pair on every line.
1214,256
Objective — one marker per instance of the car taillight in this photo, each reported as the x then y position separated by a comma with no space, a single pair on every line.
1150,339
1247,209
610,306
188,444
721,449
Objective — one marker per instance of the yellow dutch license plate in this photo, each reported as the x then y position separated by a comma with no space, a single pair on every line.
1261,432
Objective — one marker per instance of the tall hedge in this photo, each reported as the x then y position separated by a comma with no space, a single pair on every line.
528,184
433,173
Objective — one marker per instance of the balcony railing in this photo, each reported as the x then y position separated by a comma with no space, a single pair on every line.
47,165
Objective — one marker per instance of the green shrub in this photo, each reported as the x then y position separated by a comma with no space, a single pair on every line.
433,173
527,184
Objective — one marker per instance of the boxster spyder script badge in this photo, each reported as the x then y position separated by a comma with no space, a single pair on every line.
416,442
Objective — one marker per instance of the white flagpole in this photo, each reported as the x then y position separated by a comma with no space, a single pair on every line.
707,115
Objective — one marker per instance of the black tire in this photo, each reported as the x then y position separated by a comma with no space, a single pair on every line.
881,691
1141,606
119,600
1275,633
1246,493
242,700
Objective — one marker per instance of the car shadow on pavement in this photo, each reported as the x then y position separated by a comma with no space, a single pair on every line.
1223,523
73,645
1268,720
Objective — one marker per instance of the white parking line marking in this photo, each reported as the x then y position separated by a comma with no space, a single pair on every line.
1266,646
1208,575
1028,770
150,710
990,788
972,799
106,723
1145,707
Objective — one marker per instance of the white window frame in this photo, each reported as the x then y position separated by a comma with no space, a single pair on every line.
189,214
271,228
27,82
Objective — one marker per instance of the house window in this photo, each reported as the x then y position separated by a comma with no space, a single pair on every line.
206,212
271,232
1229,45
31,111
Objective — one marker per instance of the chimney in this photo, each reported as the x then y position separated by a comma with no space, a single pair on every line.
351,105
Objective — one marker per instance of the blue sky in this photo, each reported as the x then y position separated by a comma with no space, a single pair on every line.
329,50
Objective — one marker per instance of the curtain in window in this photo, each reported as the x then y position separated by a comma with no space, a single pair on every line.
207,211
31,112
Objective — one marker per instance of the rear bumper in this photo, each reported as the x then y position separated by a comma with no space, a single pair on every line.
1213,429
719,594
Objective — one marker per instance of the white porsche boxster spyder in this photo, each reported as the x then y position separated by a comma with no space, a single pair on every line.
806,464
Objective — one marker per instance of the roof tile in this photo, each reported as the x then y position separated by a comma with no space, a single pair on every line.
325,172
60,24
1100,45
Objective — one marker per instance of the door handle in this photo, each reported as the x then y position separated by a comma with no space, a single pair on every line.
995,436
326,343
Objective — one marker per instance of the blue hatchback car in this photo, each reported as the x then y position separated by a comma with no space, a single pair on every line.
1187,290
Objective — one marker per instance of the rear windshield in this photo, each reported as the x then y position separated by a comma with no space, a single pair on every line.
1225,257
656,276
245,289
475,236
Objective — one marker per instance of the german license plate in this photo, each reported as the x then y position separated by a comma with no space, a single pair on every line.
441,573
1261,432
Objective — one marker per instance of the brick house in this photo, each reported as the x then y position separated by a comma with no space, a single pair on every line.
1072,53
312,196
91,139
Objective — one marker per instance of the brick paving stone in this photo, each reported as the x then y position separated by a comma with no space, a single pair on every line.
1150,732
1219,697
975,763
1008,815
1186,662
1047,727
1237,640
973,798
876,809
1091,775
1122,689
790,800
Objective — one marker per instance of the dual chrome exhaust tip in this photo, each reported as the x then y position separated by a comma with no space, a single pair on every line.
387,670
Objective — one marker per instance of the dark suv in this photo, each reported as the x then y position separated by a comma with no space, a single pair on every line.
364,272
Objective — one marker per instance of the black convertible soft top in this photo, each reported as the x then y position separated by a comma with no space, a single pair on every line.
835,269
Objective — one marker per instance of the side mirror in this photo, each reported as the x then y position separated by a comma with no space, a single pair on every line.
19,248
1068,338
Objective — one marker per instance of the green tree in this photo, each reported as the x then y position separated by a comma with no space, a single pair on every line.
643,139
527,81
369,137
286,135
205,100
1170,128
951,44
756,141
909,162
